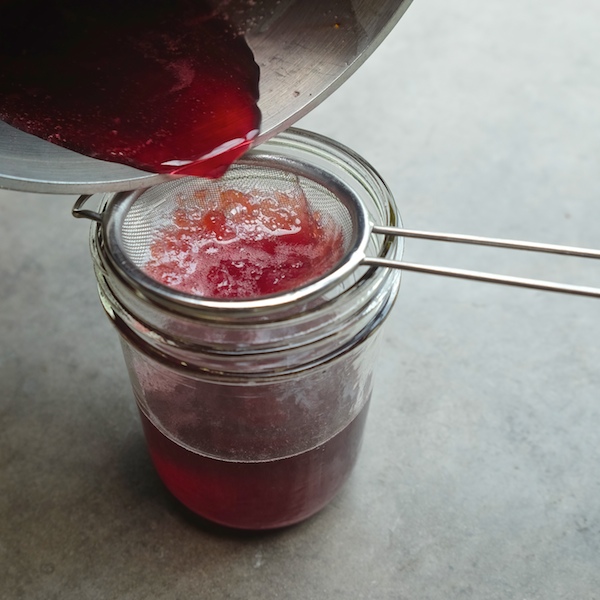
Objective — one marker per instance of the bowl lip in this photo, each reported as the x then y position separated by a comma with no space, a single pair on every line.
267,155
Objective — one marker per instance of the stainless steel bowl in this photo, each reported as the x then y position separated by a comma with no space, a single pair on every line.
305,50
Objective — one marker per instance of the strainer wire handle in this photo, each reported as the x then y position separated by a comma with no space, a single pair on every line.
481,276
83,213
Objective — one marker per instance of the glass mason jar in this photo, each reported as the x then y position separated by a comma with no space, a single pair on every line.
254,417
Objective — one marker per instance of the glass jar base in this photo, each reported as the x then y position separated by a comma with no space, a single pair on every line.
257,495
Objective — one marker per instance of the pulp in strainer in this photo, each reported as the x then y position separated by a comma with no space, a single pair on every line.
228,243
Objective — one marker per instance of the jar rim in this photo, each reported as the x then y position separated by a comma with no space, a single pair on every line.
296,150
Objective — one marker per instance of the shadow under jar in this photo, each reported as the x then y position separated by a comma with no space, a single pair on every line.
254,412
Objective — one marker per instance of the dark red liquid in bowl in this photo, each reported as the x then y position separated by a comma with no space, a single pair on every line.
166,86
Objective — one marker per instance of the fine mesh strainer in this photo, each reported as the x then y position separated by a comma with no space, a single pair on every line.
130,220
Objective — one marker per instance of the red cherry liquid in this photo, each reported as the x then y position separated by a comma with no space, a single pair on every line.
257,495
166,86
244,245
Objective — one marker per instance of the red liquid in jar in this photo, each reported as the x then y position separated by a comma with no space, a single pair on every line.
257,495
229,244
166,86
244,245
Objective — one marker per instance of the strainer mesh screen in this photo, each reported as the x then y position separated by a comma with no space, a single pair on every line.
155,209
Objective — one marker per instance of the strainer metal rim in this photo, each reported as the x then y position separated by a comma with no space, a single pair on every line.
118,207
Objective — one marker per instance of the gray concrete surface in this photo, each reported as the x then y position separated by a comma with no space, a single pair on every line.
480,472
